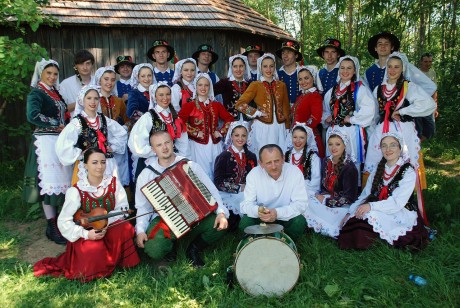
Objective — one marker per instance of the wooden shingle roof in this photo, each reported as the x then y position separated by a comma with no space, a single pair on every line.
207,14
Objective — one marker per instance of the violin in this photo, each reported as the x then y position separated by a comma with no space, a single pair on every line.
97,218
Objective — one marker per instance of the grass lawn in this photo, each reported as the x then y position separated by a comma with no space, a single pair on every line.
329,277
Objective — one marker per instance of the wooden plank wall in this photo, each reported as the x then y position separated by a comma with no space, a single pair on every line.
106,43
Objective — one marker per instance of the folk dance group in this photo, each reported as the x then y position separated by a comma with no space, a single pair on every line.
262,144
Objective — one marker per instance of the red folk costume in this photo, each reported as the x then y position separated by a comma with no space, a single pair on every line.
204,117
308,109
85,259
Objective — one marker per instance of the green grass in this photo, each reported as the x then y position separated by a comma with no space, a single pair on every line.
329,277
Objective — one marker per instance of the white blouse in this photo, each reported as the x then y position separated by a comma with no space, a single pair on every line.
69,153
72,204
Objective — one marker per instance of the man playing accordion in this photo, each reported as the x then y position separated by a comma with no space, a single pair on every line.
153,234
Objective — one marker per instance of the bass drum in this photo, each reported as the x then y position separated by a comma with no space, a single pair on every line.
267,264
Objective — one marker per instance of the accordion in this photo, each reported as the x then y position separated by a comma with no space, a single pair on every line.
180,198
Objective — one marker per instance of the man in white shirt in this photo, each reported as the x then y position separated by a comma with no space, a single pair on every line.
275,193
70,87
152,233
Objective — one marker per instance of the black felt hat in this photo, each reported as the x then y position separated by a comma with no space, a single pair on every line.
291,45
372,43
159,43
331,42
253,48
208,48
124,60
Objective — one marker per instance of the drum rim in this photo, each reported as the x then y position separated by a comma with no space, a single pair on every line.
269,238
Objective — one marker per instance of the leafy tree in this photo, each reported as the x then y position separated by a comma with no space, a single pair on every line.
17,58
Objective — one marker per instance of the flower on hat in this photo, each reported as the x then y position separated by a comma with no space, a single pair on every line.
290,44
336,43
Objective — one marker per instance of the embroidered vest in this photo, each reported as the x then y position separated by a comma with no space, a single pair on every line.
343,106
304,164
106,201
382,100
392,185
88,136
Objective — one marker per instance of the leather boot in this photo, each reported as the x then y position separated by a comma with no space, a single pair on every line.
193,251
53,233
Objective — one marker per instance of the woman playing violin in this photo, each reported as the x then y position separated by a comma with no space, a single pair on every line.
92,253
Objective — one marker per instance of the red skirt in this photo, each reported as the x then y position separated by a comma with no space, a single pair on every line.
359,234
86,260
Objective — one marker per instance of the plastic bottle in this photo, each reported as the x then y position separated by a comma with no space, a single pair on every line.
420,281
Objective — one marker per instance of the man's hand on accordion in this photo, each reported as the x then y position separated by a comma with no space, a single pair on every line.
221,222
141,238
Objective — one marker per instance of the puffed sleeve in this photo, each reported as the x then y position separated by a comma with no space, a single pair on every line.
399,197
199,172
313,185
143,206
364,117
182,145
364,194
421,104
34,111
117,136
66,149
176,97
66,225
326,107
138,141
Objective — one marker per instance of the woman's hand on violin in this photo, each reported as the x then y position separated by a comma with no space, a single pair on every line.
95,235
141,238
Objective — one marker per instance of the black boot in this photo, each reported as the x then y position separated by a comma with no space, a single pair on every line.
193,251
53,233
172,255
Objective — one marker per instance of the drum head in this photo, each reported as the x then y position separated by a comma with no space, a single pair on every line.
263,229
267,266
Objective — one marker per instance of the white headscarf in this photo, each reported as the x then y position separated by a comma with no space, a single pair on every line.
259,66
311,142
153,90
80,105
398,136
313,71
247,70
355,61
233,125
178,68
211,89
412,73
39,67
101,71
134,81
346,141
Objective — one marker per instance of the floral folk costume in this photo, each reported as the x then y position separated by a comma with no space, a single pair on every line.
182,90
45,178
84,132
339,185
231,169
139,97
307,159
84,259
393,214
202,119
272,99
308,109
352,99
232,89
